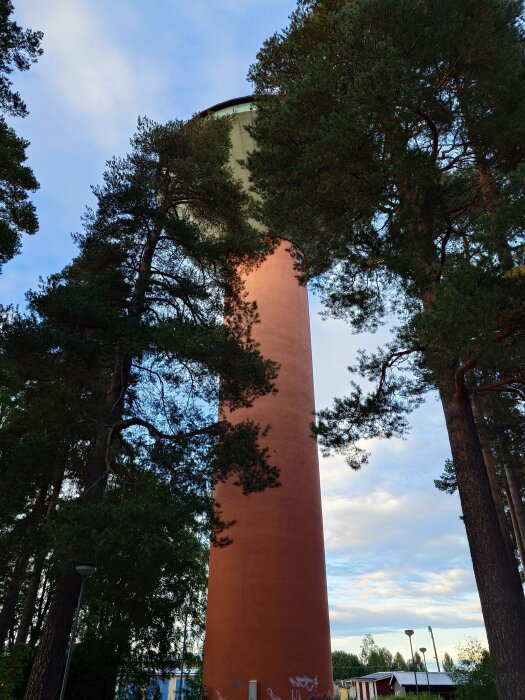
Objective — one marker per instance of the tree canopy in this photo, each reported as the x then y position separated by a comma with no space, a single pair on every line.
346,665
473,673
19,49
124,354
390,149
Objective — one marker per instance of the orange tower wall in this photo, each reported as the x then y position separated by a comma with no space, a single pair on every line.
267,618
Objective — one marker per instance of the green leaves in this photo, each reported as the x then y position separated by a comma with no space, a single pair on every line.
390,150
359,416
17,214
380,153
473,672
19,48
115,376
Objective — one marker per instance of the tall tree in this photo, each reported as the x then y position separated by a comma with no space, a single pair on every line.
398,662
448,663
417,664
390,142
346,665
43,441
473,673
143,304
374,657
19,48
500,425
132,604
503,427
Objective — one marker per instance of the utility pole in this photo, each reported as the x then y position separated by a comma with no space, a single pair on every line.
434,644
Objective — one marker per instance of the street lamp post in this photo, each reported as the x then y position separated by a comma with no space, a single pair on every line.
187,610
84,569
434,645
409,634
422,650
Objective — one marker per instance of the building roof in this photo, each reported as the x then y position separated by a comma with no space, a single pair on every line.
407,678
374,676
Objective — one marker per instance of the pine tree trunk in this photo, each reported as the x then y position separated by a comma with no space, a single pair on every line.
516,503
46,673
8,612
488,458
30,601
498,499
519,542
34,582
42,606
499,585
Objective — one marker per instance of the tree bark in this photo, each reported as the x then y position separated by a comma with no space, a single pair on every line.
495,486
43,602
517,509
38,564
46,672
8,612
499,584
30,601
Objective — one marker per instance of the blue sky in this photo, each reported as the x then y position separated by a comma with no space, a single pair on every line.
397,554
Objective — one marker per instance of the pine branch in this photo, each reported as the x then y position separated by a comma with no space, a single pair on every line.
155,432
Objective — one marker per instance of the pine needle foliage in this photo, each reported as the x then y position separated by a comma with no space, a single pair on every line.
390,149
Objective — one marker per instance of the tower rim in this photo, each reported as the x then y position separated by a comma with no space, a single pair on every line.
234,102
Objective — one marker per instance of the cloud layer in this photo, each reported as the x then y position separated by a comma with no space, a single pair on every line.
397,553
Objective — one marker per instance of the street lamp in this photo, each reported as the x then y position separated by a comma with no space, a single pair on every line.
409,634
187,610
422,650
84,569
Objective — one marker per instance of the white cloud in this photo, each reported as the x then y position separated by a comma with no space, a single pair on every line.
394,598
89,72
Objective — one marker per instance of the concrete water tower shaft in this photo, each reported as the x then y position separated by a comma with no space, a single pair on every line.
267,630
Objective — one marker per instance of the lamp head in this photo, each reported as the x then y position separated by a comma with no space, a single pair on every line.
188,610
422,649
85,568
409,633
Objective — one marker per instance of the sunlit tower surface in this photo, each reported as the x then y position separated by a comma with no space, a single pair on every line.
267,630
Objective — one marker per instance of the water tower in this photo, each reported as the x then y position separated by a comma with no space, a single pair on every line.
267,630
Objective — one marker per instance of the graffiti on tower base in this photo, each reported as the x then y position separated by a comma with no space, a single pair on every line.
304,682
272,695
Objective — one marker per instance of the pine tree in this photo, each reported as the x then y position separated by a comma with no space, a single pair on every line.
448,663
374,657
390,142
19,48
140,313
500,426
42,442
398,662
132,605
